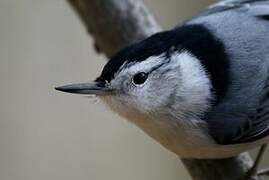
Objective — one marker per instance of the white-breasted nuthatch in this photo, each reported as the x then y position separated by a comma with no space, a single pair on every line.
200,89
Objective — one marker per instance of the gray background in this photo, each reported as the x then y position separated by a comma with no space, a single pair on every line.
48,135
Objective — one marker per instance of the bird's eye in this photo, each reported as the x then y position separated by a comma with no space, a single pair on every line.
140,78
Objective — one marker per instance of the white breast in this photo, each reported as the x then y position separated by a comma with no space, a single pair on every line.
190,142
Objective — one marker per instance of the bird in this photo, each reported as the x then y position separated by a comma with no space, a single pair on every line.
201,88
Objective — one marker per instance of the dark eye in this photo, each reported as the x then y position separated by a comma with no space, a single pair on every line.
140,78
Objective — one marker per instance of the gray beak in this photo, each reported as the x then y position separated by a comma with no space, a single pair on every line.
95,88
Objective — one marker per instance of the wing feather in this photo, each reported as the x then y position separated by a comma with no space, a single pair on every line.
253,7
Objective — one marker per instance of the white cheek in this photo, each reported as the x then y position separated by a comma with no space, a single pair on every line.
137,96
195,86
186,84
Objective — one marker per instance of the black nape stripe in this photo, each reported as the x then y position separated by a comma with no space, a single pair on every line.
196,39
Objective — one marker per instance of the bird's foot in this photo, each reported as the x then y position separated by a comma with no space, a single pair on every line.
263,172
253,174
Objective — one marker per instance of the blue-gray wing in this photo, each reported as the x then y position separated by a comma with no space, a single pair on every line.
243,119
255,7
233,125
258,124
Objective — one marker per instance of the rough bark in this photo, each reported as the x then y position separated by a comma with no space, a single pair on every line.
222,169
116,23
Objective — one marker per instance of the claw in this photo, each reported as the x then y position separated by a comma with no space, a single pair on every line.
253,174
263,172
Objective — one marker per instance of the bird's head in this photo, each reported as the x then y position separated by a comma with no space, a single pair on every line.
158,75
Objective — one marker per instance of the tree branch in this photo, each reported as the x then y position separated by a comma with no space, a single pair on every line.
114,24
222,169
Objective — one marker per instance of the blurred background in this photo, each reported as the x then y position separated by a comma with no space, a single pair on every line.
46,134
